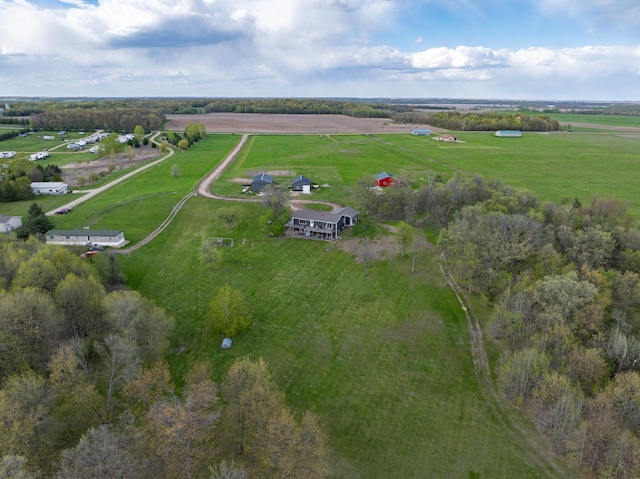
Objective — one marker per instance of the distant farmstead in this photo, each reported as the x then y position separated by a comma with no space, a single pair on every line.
113,238
49,188
10,223
447,138
261,181
319,224
383,179
509,133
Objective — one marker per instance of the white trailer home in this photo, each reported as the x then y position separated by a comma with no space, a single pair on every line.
49,188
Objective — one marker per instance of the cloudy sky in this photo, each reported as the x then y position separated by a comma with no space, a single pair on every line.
508,49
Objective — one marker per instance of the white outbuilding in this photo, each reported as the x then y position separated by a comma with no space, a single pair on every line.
49,188
10,223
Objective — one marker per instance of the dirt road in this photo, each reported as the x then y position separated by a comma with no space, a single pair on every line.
87,194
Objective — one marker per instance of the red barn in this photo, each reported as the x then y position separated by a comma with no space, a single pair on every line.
383,179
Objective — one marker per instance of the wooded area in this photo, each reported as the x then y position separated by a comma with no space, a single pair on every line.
85,385
564,283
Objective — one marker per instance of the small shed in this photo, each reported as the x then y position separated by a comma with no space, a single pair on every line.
113,238
421,132
383,179
261,181
509,133
10,223
301,183
49,188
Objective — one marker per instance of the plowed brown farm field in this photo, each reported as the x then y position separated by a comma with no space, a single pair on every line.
293,124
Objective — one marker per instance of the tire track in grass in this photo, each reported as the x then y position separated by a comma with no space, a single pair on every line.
534,450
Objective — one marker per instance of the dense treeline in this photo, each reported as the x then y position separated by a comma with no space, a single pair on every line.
108,119
564,282
162,106
85,390
29,107
489,121
13,121
304,106
614,109
7,135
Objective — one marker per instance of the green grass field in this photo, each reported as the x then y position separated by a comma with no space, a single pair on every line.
382,355
139,204
552,166
596,120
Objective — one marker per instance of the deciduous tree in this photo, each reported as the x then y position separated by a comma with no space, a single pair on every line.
102,453
229,312
24,407
29,330
182,427
406,234
80,302
119,363
139,319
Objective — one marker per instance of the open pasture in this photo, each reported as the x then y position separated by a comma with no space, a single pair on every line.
621,123
32,144
139,204
380,354
553,166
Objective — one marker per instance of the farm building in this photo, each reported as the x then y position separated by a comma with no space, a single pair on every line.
10,223
301,183
447,138
383,179
421,132
509,133
49,188
261,181
113,238
320,225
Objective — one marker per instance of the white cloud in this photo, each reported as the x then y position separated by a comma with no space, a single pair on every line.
459,57
278,48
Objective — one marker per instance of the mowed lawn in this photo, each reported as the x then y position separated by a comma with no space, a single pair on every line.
380,354
139,204
555,167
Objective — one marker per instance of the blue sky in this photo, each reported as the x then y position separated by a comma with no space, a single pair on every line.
489,49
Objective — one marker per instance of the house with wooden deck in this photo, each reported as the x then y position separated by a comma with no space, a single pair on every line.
320,224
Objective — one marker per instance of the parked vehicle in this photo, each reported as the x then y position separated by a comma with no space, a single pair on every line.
63,211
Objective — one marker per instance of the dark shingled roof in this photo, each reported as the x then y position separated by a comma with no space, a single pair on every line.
263,177
301,178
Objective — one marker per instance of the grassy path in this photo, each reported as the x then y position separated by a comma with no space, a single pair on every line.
535,451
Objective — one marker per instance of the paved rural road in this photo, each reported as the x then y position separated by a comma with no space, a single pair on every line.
88,194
